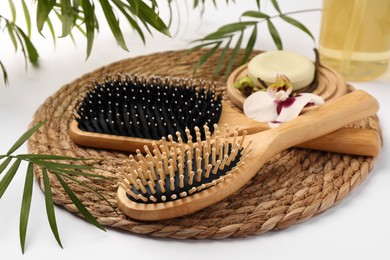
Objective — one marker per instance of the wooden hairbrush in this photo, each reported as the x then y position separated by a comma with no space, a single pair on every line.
179,178
128,113
357,141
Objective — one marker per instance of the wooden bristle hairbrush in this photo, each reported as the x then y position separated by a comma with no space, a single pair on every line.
127,113
180,178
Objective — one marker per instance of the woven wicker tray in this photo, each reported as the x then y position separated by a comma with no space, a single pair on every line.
291,188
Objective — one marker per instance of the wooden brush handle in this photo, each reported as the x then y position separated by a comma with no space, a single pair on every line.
357,141
327,118
362,141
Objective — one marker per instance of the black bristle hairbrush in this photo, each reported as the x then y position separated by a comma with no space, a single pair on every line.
129,112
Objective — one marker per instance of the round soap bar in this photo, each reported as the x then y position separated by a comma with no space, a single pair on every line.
267,65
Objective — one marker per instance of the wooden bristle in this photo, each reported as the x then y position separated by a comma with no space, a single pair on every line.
169,174
149,108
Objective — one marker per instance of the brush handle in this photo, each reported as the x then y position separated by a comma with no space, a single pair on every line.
325,119
362,141
356,141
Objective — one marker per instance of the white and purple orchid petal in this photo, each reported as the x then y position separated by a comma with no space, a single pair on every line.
276,106
281,89
274,124
280,95
291,109
261,107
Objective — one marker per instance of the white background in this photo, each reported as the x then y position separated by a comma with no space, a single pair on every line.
358,228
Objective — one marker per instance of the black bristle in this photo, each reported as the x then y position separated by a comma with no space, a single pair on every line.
148,107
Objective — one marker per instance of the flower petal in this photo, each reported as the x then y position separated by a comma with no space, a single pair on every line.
273,124
290,112
261,107
281,89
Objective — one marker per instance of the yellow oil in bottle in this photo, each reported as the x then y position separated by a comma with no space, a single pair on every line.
355,37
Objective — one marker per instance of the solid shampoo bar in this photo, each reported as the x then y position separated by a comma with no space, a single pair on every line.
267,65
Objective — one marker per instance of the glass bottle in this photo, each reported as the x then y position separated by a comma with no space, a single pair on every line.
355,37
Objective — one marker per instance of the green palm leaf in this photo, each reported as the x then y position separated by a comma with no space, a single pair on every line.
88,188
227,30
59,170
113,22
13,10
67,17
27,18
6,180
275,35
234,54
250,44
89,20
57,166
256,14
31,50
78,203
297,24
5,164
50,157
148,14
197,47
50,206
207,55
76,173
43,10
24,137
26,203
124,10
52,31
258,4
276,5
221,59
5,74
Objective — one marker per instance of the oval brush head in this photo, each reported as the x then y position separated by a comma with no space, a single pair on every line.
174,171
148,108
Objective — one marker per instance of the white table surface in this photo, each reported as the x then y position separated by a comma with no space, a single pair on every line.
358,228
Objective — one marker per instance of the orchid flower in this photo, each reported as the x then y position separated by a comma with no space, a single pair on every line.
277,105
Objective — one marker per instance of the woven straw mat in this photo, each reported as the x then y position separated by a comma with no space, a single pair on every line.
291,188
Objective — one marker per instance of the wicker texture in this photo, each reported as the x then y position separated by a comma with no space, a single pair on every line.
291,188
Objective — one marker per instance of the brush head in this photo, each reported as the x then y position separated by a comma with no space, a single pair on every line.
175,170
148,108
